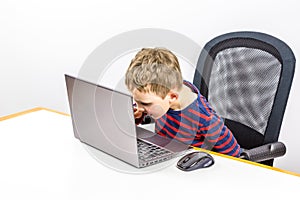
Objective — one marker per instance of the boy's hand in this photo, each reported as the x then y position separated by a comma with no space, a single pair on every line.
138,112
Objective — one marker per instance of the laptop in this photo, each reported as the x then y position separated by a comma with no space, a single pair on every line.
103,118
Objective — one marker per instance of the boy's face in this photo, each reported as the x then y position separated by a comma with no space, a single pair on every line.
153,104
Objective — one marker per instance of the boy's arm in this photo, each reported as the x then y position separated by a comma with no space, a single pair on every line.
218,135
221,138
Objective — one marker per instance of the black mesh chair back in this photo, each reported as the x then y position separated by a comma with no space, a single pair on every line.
246,77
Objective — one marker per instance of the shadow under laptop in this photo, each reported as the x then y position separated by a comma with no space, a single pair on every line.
123,167
118,165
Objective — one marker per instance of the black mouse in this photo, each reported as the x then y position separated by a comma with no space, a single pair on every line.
195,160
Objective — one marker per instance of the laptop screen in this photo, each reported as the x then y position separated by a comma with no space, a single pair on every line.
103,118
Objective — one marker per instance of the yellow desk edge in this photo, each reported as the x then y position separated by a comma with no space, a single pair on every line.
211,152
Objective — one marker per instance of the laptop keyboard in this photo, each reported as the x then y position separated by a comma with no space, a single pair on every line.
149,152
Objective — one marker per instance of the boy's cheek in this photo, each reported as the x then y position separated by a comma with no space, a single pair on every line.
156,111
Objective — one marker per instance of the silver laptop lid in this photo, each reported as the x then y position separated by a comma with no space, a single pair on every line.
103,118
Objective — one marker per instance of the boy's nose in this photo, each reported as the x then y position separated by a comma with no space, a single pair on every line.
140,106
145,110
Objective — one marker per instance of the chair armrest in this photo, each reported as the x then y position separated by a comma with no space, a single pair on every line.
264,152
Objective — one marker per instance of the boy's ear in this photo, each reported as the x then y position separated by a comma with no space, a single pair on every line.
173,96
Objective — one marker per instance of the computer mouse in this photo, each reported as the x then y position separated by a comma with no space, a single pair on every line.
195,160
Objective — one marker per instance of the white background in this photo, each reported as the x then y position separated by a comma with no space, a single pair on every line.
40,41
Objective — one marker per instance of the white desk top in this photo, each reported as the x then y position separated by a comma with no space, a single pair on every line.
41,159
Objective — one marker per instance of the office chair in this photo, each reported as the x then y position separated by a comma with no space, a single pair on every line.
246,77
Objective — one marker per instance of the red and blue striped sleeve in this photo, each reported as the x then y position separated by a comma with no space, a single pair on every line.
217,134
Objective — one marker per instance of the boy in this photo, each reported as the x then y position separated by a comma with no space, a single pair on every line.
180,111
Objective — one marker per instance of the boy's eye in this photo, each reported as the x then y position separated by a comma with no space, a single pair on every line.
145,104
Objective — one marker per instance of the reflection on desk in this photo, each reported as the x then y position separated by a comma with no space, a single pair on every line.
41,159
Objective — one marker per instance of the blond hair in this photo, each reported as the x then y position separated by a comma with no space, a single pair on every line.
154,69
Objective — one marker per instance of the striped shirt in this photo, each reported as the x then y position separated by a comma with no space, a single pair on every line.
198,125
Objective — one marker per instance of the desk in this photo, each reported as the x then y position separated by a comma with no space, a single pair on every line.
41,159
